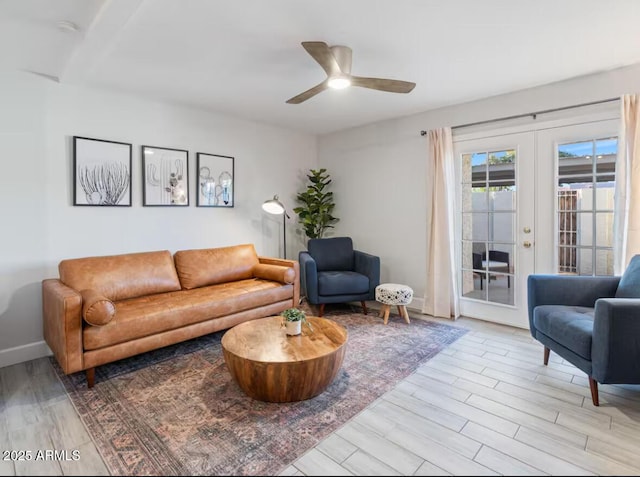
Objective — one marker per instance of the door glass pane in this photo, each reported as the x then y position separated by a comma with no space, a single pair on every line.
604,262
466,169
499,288
479,199
475,226
575,158
567,263
585,261
607,178
604,196
474,169
575,182
479,160
585,203
584,229
502,226
473,284
604,229
504,198
606,151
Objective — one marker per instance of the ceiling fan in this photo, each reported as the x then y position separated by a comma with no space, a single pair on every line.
336,62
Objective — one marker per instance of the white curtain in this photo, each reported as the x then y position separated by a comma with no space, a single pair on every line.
627,192
441,292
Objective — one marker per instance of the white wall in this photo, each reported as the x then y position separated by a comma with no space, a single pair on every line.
38,119
379,169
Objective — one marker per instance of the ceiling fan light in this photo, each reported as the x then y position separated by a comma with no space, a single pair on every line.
339,82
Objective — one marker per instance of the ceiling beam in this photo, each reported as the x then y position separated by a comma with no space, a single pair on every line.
99,38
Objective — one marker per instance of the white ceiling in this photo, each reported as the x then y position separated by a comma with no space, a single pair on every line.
243,57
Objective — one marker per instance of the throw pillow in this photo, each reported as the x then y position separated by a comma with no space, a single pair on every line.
97,310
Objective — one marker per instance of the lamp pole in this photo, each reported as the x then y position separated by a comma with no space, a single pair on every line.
285,216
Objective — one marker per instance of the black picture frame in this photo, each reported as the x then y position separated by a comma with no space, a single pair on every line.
165,177
101,172
215,180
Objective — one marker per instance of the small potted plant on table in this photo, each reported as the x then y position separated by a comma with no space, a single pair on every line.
292,319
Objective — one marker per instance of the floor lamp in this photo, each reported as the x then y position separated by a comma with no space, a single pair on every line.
274,206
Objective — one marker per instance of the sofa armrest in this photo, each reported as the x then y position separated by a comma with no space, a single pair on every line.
62,323
309,276
290,264
368,265
276,273
567,290
615,347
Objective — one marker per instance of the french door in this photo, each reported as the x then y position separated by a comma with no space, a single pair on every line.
495,225
536,201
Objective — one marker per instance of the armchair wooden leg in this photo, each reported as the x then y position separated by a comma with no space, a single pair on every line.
546,355
593,384
321,311
364,307
91,377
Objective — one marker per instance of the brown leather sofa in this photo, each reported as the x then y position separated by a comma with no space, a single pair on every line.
103,309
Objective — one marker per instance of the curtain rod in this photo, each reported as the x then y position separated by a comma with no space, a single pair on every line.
534,114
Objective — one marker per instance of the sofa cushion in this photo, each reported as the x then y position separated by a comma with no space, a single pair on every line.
332,253
570,326
629,286
148,315
342,283
119,277
210,266
97,310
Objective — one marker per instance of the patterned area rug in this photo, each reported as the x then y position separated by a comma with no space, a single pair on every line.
177,411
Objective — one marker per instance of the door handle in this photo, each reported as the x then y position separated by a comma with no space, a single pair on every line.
527,244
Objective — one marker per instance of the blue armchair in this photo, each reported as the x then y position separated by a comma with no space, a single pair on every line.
592,322
331,271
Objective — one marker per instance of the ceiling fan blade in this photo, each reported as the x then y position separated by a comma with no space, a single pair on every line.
310,93
321,52
389,85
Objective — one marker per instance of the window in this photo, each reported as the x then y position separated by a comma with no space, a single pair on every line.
585,203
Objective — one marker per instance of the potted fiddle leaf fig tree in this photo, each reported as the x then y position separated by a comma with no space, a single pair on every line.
315,213
292,320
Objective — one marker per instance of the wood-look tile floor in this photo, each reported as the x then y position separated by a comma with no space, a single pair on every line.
484,406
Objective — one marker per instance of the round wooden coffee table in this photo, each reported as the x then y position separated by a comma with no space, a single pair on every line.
270,366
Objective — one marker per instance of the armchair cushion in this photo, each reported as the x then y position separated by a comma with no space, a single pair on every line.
629,286
570,326
342,283
332,253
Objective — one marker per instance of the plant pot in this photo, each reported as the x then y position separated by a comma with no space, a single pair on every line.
293,328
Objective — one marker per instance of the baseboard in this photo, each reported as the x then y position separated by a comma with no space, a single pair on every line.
20,354
416,304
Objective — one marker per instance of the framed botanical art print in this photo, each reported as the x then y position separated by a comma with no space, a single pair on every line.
101,172
215,180
165,176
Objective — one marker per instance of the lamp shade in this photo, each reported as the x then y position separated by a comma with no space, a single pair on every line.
273,206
